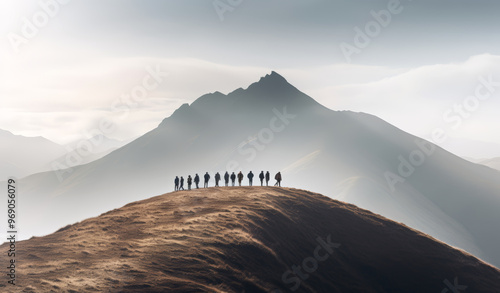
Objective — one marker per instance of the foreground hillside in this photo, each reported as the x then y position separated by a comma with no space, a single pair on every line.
246,239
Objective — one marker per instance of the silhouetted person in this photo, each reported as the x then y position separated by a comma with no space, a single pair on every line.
181,187
217,179
268,176
261,177
233,178
278,179
197,180
207,177
190,181
176,182
226,178
250,178
240,178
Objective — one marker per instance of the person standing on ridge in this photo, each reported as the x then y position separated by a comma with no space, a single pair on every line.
278,179
261,177
268,176
190,181
240,177
233,178
207,177
176,182
181,187
217,179
226,178
197,180
250,178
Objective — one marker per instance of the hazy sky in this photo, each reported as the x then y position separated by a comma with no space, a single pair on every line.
420,65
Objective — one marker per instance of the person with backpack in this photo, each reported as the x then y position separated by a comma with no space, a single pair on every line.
261,177
233,178
240,177
207,177
217,179
181,187
278,179
250,178
176,182
267,178
197,180
190,181
226,178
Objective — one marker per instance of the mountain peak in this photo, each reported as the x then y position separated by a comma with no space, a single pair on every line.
272,83
273,77
271,91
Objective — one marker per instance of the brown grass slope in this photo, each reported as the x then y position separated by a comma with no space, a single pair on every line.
242,239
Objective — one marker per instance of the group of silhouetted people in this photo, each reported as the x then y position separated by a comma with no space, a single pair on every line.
179,183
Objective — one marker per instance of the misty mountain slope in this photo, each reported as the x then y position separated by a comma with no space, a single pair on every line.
273,126
84,151
100,143
466,193
493,163
245,239
21,156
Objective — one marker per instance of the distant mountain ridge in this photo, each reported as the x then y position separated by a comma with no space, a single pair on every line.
85,151
21,156
273,126
100,143
493,163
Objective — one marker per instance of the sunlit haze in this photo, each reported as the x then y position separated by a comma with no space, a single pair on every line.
418,68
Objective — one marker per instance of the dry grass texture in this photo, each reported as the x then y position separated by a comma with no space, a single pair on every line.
240,239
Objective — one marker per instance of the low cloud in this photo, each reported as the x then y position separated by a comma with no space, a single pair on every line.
416,99
79,93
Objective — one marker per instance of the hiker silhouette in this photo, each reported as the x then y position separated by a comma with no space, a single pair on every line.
250,178
226,178
217,179
240,178
176,182
197,180
190,181
261,177
233,178
181,187
278,179
207,177
268,176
